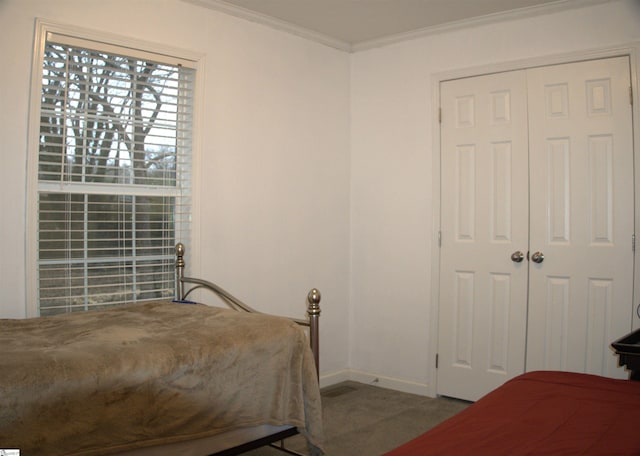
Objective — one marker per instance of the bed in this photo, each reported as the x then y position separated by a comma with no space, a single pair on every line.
541,413
160,378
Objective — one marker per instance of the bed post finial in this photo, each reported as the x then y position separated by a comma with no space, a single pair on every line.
180,264
313,309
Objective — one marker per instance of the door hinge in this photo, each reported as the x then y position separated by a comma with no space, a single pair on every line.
633,243
439,238
439,115
631,95
436,360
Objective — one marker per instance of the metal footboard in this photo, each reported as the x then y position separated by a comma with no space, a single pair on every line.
313,300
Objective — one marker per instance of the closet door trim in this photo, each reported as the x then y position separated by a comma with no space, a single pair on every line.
630,50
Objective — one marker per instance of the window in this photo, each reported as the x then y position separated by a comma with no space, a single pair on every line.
113,173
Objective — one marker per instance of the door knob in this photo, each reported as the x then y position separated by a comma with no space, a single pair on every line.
537,257
517,257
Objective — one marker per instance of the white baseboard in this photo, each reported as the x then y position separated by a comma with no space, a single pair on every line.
405,386
334,378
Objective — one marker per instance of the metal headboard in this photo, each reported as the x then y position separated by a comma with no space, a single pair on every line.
313,299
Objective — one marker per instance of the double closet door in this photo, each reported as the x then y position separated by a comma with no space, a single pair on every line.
537,223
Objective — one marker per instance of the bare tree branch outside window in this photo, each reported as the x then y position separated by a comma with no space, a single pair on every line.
114,131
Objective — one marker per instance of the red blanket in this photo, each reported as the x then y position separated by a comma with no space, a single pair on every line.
542,413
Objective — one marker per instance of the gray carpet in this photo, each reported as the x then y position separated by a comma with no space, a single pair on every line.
365,420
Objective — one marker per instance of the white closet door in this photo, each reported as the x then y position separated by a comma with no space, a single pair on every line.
581,159
482,313
538,161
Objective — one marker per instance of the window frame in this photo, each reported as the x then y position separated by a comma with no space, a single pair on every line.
111,44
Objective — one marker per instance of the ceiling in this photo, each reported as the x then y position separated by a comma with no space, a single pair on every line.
353,24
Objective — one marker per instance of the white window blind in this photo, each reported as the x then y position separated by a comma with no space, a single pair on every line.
114,174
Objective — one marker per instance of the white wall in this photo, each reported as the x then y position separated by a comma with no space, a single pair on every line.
273,218
392,158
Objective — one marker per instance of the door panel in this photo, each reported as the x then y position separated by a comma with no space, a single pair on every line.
484,220
581,159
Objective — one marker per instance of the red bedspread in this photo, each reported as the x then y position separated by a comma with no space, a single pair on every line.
542,413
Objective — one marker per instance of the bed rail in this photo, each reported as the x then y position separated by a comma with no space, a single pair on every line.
313,302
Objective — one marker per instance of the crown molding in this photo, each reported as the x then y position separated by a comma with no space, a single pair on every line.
520,13
253,16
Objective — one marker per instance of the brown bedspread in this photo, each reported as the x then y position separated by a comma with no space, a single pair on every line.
101,382
541,413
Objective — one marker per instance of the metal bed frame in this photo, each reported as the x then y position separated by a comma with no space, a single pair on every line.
186,285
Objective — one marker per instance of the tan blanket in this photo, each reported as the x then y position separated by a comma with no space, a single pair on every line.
101,382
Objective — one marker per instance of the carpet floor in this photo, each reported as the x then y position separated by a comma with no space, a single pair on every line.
366,420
